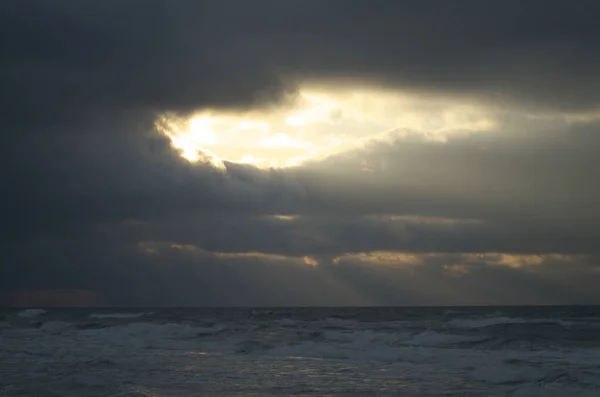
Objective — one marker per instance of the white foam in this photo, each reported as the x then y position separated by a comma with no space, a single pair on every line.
364,345
137,349
366,338
360,344
357,345
484,322
312,349
31,313
338,322
167,336
502,320
116,315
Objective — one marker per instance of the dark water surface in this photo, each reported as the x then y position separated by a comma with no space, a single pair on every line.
485,351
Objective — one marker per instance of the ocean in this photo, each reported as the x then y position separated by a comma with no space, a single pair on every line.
486,351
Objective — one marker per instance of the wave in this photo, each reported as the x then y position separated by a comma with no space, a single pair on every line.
31,313
55,327
120,316
283,337
443,349
470,323
326,338
317,343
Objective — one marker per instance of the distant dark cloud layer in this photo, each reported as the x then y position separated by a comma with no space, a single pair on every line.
95,198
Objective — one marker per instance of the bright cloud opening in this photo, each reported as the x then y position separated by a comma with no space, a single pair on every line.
319,122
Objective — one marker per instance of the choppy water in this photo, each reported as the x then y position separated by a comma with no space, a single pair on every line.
530,351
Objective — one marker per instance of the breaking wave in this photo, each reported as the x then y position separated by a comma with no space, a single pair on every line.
119,316
31,313
510,351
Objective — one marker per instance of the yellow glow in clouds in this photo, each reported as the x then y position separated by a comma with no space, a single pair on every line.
319,122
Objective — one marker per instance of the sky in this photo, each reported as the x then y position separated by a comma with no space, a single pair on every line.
287,152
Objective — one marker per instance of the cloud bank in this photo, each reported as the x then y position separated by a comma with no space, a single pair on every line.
96,198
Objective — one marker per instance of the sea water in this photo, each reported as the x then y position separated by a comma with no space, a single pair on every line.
492,351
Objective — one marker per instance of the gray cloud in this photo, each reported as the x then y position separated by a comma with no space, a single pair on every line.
187,276
327,236
66,61
86,177
103,201
529,175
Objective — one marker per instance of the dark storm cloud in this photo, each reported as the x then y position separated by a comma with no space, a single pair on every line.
64,185
327,237
82,81
66,60
527,195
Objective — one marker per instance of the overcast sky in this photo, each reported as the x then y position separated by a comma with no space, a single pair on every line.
287,152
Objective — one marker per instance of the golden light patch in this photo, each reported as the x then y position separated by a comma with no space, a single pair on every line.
311,261
161,247
516,261
381,258
456,270
184,247
319,122
251,255
287,218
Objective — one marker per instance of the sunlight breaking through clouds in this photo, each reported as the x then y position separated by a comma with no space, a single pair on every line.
319,122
